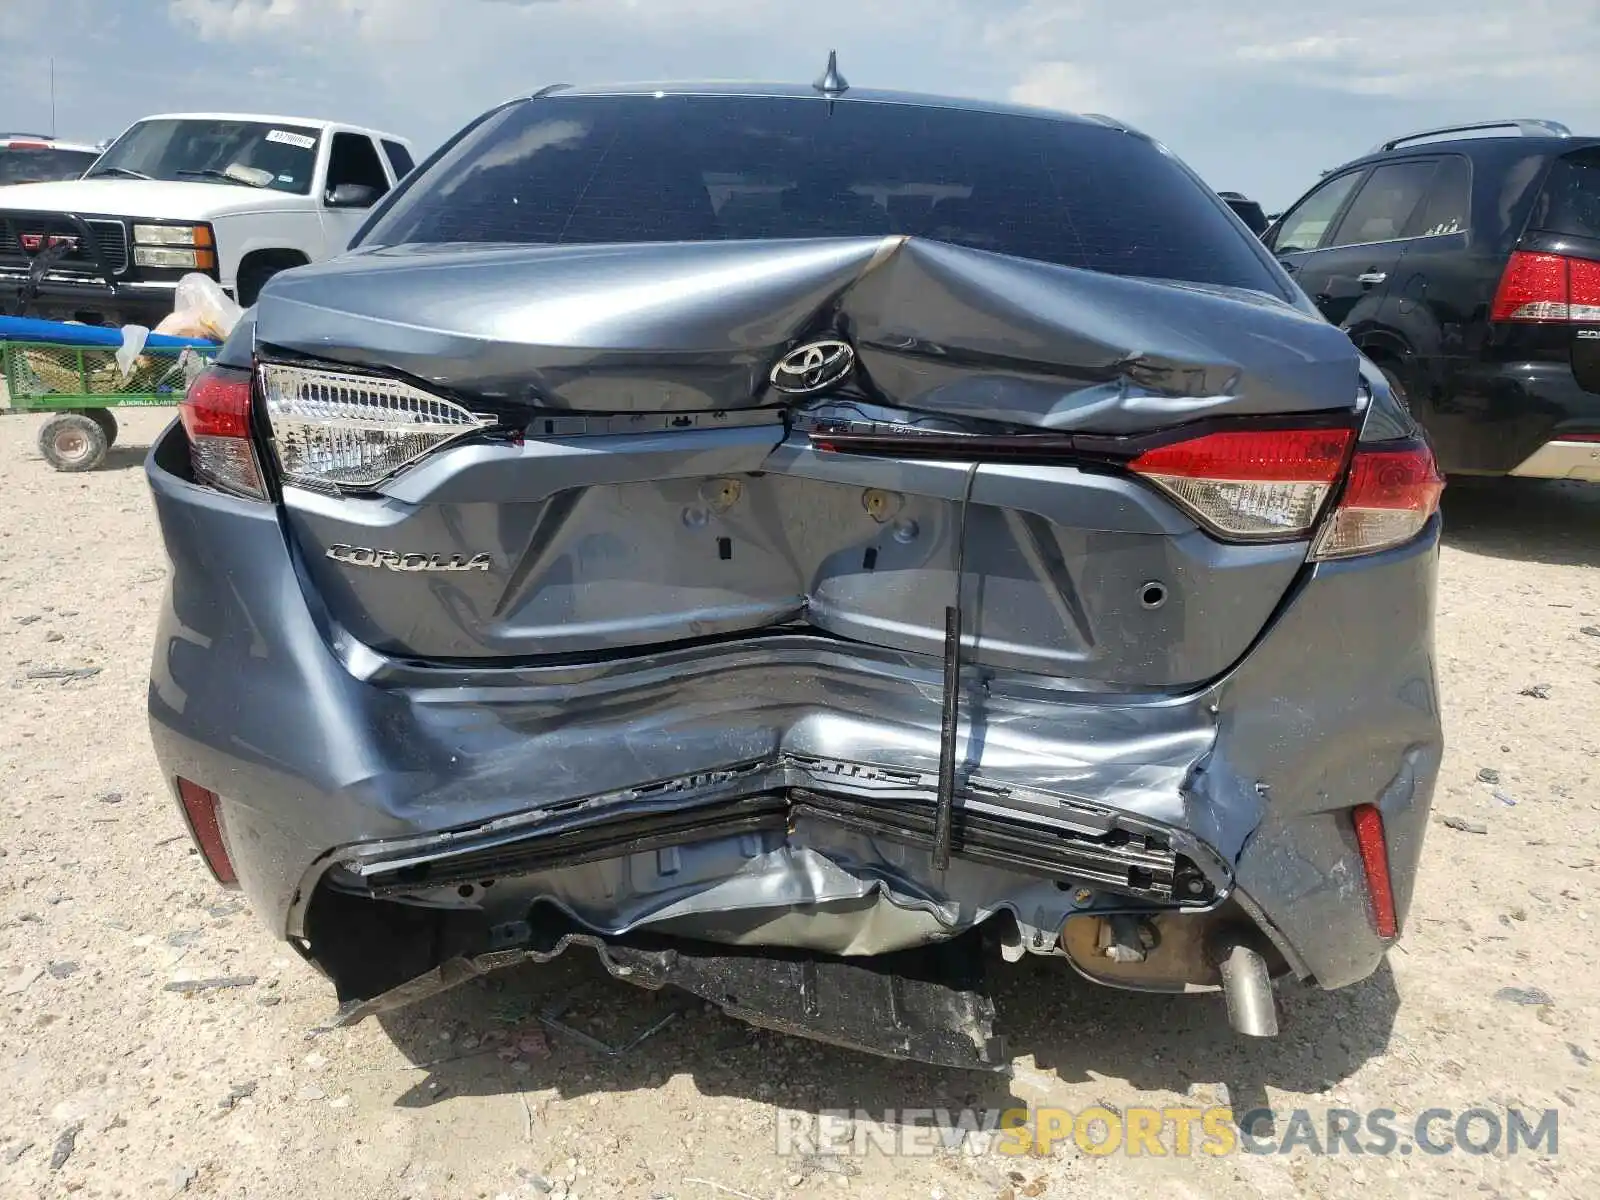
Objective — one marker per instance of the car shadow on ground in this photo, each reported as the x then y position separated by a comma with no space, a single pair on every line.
1525,520
1077,1030
120,458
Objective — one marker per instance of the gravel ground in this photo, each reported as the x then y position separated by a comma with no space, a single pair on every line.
116,1084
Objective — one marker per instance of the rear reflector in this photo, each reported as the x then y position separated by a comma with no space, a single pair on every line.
1548,288
1251,484
200,806
1375,862
1393,491
216,416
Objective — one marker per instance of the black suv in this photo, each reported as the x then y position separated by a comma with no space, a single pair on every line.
1467,267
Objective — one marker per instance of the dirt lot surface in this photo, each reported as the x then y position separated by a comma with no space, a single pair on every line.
113,1083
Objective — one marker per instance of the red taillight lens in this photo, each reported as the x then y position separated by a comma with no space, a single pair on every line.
1374,850
1392,493
1547,287
216,416
200,806
1251,484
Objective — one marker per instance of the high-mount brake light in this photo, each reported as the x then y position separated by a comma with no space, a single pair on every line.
1251,484
216,416
338,429
1392,493
1548,288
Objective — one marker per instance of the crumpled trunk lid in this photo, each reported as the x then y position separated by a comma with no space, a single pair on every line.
665,491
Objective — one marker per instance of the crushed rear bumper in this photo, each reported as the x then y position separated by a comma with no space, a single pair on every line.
702,811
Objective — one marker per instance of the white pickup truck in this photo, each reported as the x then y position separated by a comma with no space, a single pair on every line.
238,197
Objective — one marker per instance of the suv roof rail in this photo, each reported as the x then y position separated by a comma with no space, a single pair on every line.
1525,127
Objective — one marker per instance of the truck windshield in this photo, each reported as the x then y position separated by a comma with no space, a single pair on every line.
227,153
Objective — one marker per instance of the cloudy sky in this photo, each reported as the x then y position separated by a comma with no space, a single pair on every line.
1257,97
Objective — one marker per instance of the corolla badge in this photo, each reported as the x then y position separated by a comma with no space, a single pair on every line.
395,560
813,367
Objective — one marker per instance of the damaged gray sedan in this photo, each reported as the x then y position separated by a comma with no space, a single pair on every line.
812,548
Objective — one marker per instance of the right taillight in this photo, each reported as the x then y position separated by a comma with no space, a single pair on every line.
1251,484
1553,288
1391,493
216,416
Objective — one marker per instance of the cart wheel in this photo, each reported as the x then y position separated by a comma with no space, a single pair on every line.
103,418
73,442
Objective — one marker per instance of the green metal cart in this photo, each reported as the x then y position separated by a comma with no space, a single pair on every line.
81,384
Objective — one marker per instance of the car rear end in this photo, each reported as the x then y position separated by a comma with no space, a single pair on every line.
805,588
1543,351
26,158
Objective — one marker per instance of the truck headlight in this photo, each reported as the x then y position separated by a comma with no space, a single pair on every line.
172,235
162,256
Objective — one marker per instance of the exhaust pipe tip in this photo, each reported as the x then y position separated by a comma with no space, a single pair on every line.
1247,988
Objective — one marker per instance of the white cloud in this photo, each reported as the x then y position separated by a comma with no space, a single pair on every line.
1259,97
1064,85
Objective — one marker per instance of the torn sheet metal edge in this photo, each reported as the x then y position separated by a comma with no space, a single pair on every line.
927,1021
787,772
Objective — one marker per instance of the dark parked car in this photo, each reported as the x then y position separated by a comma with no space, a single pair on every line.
806,545
34,158
1249,211
1468,268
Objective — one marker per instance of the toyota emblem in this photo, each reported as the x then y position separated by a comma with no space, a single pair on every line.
813,367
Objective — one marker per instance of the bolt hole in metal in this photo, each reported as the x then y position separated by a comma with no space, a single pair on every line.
1153,594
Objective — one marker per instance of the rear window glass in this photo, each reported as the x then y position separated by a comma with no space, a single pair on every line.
1570,202
698,168
26,164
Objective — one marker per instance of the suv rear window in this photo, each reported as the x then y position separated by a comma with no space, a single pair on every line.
1570,202
701,168
28,164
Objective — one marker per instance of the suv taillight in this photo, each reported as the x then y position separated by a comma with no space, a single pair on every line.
216,416
1547,288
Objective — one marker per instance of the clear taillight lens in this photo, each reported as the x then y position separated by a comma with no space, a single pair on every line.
332,428
1251,484
216,416
1393,491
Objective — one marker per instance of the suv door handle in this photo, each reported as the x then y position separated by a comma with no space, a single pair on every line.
1372,278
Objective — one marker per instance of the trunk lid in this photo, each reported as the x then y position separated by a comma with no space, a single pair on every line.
666,491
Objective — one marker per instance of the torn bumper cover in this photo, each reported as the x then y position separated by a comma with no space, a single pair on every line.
770,800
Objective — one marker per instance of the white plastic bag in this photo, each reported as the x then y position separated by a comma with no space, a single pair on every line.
201,309
133,339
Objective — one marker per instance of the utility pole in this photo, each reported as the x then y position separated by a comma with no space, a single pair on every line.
52,98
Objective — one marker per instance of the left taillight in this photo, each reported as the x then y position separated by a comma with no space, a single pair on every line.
216,417
1251,484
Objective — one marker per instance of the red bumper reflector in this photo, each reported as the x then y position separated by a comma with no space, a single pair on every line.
1375,860
200,806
